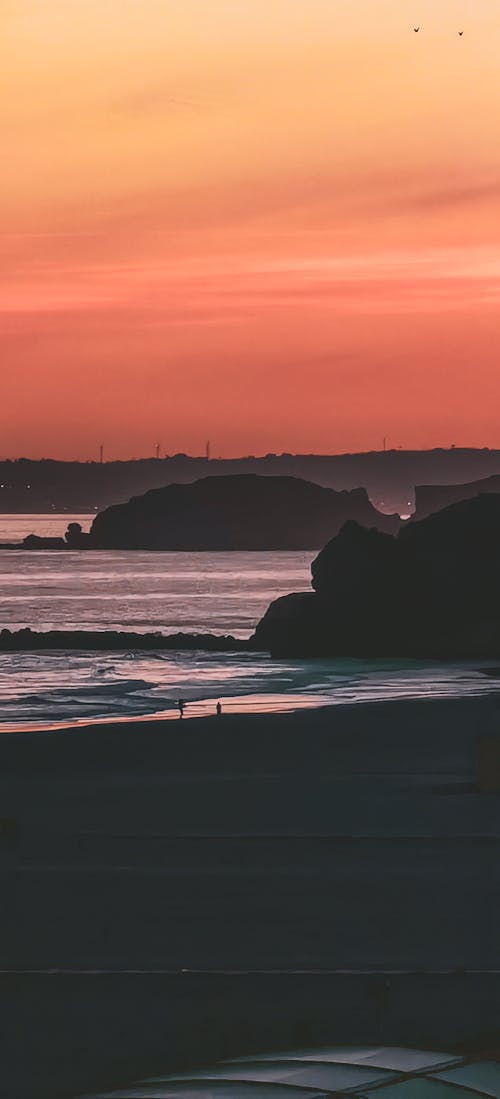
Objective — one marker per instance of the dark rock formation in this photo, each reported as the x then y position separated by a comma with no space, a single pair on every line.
27,640
234,513
296,625
35,542
367,551
432,591
75,538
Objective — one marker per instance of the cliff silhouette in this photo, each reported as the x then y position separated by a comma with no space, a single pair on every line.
431,498
431,591
244,512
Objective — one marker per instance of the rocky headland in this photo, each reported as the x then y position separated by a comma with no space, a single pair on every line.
432,591
245,512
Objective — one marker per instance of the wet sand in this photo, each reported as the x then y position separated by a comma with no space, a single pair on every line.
187,890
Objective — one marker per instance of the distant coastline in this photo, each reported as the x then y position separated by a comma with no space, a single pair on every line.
389,476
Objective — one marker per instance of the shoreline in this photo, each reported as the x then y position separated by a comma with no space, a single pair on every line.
232,708
246,706
254,706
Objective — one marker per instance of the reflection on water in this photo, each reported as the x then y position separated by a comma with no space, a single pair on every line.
171,592
46,688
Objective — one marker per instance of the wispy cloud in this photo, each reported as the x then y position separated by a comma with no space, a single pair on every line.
396,281
156,96
446,196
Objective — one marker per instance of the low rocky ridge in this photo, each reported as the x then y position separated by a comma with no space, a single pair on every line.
27,640
432,591
245,512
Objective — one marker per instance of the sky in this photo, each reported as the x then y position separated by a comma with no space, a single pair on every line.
273,224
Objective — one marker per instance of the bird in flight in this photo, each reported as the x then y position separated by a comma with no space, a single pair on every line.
460,33
416,29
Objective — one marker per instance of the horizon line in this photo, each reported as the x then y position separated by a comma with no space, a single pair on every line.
254,457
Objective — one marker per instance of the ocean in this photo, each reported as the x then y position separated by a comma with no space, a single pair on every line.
216,593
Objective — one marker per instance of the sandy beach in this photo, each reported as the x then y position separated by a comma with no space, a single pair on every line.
187,890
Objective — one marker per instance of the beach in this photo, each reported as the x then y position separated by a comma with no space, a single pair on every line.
177,891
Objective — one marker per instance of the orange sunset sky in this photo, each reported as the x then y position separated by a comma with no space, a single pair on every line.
271,223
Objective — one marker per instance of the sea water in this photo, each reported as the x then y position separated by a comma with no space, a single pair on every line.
170,592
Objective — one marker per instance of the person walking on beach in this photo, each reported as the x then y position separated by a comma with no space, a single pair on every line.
218,709
181,705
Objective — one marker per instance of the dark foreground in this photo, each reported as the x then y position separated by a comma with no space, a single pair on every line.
181,892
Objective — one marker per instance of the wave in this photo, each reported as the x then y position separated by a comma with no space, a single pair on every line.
38,688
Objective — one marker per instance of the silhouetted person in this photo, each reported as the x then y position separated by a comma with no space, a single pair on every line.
218,709
181,705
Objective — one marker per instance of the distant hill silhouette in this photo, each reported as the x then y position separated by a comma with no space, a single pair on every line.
234,513
431,498
389,477
432,591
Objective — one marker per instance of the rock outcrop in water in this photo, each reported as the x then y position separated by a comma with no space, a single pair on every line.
38,542
27,640
234,513
432,591
75,537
